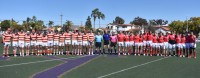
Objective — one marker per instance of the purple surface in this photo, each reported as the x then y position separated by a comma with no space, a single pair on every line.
56,71
3,58
53,57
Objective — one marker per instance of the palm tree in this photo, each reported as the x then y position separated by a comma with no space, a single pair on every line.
95,15
50,23
68,24
100,16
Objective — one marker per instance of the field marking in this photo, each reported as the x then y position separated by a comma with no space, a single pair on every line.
132,67
38,61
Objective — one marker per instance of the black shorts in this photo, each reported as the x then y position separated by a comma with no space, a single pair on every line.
106,42
113,44
98,44
172,42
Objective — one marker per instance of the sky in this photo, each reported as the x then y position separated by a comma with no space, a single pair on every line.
77,11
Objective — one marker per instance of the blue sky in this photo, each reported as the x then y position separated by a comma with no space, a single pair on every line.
78,10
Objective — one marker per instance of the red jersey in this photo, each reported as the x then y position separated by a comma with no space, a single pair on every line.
44,39
160,39
131,38
91,37
149,37
50,36
33,36
62,37
27,38
166,38
178,39
183,39
79,38
172,37
126,38
144,37
85,37
21,36
39,37
67,36
15,38
155,38
192,39
56,37
140,39
137,38
7,37
120,37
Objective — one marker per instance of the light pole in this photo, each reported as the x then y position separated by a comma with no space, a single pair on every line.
61,21
187,25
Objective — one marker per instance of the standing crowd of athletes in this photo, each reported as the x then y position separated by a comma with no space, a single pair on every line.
53,43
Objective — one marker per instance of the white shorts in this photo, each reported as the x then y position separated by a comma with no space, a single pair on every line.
7,44
50,43
62,44
131,43
172,46
15,44
126,44
166,44
137,44
154,45
27,44
40,43
67,41
21,44
144,43
45,44
178,45
74,42
183,45
160,44
120,43
79,43
85,43
33,43
55,43
192,45
149,43
141,44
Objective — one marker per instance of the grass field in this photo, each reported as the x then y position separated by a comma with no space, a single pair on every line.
104,66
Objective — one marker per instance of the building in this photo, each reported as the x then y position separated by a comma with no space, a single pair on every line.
163,29
121,27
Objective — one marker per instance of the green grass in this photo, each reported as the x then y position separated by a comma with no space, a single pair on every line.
172,67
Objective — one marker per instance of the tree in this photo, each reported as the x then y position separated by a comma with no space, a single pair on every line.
5,24
68,25
50,23
88,24
95,15
118,20
177,26
139,21
100,16
194,24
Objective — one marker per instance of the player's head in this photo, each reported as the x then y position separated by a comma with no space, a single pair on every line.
28,33
33,31
98,33
191,33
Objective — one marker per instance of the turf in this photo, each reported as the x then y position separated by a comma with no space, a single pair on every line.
172,67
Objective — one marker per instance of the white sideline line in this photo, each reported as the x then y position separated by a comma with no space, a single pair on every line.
131,67
38,61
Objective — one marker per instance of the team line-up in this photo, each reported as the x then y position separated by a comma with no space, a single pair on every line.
54,42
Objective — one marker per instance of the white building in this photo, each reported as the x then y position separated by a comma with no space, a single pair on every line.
120,27
162,29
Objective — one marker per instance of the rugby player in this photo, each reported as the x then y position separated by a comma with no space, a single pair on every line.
45,44
85,42
144,37
6,41
137,44
91,42
27,43
131,44
33,41
165,47
192,39
39,43
183,46
56,42
172,42
15,39
74,42
67,41
120,40
50,36
126,42
61,43
21,42
79,43
154,44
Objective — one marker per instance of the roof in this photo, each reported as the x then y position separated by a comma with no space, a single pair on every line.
122,24
166,28
133,29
